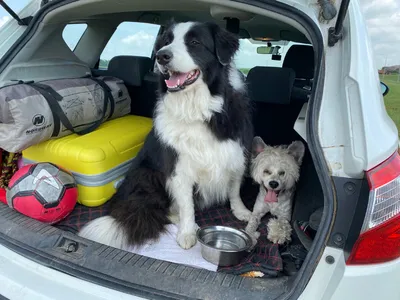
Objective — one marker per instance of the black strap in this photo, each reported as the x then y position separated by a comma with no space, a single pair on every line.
106,89
52,98
49,97
107,94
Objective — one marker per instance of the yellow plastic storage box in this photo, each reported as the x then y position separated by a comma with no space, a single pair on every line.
98,160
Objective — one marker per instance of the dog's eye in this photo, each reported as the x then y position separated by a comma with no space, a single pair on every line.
267,172
281,173
195,43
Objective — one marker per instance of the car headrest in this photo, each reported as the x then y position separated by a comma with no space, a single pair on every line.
301,59
270,84
131,69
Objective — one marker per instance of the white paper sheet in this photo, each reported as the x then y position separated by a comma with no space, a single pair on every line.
166,248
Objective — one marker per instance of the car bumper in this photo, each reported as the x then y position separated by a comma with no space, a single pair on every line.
336,281
21,278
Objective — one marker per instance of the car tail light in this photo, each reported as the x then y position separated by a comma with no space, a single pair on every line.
379,240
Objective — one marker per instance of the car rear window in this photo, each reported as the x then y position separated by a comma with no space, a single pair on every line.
72,33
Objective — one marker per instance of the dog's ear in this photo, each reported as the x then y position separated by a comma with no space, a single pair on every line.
226,44
258,146
297,149
170,23
160,41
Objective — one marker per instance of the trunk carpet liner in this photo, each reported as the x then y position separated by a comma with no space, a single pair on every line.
265,256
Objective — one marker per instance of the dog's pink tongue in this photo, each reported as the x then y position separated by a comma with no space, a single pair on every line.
271,196
176,79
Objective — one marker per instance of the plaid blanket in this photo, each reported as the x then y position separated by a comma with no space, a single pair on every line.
264,257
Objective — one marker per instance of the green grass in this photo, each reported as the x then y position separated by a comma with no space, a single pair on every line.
245,70
392,99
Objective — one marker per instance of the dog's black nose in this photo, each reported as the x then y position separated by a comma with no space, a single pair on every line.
164,57
273,184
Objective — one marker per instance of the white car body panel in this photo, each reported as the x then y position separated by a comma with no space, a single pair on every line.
355,131
340,282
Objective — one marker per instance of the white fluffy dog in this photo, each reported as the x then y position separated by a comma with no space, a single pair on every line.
277,170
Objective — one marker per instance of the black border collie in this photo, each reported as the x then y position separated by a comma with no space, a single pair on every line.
198,150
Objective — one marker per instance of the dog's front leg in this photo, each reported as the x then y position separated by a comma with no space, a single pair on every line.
181,189
252,226
259,210
239,210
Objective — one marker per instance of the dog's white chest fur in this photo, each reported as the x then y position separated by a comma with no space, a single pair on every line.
208,162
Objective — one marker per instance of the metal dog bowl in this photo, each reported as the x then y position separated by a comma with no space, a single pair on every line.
224,246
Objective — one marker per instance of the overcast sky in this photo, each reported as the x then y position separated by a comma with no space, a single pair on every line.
383,20
382,17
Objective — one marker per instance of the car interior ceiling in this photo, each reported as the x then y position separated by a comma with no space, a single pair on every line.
277,94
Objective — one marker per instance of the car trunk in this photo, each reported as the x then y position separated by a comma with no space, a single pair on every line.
60,248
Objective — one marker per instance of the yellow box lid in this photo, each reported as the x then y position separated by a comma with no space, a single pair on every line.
113,143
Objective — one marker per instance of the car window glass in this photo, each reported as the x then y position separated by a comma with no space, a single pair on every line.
130,38
72,33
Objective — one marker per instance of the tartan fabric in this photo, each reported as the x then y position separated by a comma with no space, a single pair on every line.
264,257
82,215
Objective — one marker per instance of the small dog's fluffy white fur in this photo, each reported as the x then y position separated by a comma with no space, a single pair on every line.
276,170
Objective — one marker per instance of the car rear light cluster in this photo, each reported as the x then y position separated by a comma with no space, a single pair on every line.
379,240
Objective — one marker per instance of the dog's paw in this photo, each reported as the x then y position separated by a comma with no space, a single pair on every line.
254,238
279,231
186,240
243,214
253,234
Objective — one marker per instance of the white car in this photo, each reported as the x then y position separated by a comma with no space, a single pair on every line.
351,171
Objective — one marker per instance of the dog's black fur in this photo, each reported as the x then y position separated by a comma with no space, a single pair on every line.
141,205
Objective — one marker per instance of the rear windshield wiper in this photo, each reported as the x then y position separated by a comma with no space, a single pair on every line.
22,22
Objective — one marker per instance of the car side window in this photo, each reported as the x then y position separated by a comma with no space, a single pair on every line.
130,38
72,33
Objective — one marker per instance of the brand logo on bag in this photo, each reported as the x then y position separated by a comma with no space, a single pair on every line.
38,120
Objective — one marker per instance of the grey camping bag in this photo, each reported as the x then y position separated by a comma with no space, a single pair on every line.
33,112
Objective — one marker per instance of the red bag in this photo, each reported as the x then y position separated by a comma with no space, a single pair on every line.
2,191
3,197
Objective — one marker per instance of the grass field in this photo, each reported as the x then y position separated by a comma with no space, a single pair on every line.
392,100
244,70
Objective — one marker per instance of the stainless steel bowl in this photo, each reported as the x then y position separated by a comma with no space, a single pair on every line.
224,246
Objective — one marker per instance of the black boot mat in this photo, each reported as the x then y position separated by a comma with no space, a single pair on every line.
264,257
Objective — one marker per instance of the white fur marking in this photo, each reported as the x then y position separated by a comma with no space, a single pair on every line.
181,61
235,78
192,105
210,163
107,231
238,209
181,189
